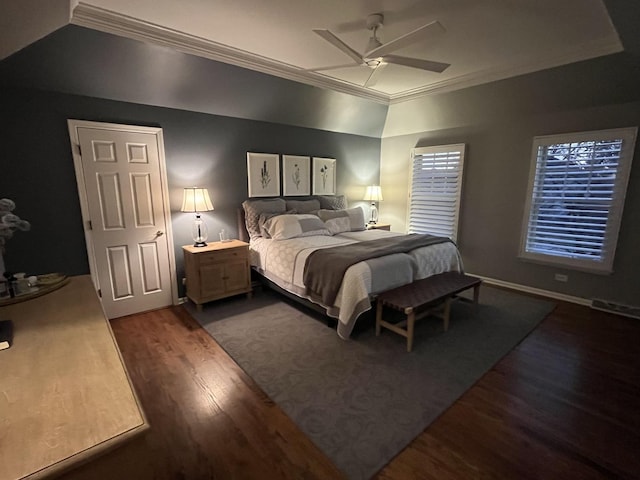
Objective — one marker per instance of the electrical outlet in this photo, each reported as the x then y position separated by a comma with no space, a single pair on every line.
561,277
184,281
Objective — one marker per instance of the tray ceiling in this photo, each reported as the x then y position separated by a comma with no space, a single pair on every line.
483,41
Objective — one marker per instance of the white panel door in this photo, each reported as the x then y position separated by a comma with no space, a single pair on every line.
127,232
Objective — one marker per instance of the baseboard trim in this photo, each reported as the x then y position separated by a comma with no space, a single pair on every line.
514,286
536,291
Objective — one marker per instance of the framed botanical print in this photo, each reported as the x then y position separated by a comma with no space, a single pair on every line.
296,175
324,176
263,174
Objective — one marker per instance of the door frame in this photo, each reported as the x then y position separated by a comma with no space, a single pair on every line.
84,203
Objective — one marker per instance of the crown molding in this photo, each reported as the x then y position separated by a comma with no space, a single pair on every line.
587,51
108,21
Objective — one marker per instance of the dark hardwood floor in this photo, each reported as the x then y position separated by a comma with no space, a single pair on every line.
564,404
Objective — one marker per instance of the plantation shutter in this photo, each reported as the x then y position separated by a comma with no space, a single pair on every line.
436,185
576,197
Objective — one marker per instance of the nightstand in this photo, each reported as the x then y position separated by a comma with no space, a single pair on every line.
379,226
219,270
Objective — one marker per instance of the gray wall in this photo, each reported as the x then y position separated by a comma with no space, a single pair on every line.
497,122
210,150
86,62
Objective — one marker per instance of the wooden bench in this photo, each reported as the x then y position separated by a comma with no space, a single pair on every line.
424,297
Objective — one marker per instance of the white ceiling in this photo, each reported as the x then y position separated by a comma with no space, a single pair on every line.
483,40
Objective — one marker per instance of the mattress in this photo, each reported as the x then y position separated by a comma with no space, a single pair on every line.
283,261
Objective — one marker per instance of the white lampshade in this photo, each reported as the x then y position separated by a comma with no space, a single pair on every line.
196,200
373,193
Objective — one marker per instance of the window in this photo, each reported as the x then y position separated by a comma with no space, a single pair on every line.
576,193
436,184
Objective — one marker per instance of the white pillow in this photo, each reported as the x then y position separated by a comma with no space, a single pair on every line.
282,227
338,221
338,225
262,219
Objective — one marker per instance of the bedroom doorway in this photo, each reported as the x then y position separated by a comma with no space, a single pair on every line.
121,177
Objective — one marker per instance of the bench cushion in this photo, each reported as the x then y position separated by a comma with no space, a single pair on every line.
427,290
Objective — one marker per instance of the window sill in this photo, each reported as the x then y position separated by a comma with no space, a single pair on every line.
565,263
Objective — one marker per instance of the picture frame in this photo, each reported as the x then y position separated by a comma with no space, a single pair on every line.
324,176
296,175
263,174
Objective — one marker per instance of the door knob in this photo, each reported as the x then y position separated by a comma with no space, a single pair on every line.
159,233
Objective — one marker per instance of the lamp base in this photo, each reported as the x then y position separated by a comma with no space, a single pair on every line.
199,233
374,214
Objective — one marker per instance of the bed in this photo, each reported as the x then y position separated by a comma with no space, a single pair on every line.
286,234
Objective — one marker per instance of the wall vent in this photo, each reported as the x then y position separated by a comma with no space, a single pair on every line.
607,306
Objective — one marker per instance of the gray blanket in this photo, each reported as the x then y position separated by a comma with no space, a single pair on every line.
325,267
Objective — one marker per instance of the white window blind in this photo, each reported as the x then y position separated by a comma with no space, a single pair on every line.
436,185
576,194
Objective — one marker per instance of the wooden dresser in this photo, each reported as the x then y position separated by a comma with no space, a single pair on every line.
65,395
219,270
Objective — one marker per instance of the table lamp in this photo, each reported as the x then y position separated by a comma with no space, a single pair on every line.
197,200
373,195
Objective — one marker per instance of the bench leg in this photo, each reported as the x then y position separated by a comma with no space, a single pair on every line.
447,312
476,293
378,317
411,320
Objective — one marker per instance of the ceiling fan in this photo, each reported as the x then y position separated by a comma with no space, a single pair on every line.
377,54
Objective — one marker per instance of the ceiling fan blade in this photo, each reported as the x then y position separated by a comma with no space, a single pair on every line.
406,39
375,74
330,67
336,42
428,65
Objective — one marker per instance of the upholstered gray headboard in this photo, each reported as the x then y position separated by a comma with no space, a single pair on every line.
242,228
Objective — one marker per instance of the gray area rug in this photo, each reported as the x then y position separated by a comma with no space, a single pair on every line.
363,400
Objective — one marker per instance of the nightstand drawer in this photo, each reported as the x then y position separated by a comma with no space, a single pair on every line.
221,256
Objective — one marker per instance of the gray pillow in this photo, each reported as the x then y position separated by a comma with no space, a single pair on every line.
253,209
332,202
303,206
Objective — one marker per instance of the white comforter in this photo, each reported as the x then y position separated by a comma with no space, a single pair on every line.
282,262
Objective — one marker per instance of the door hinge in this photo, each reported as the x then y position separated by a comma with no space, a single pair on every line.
100,292
89,225
78,149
